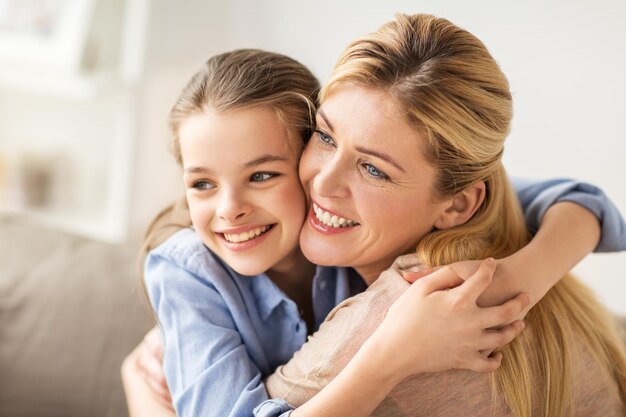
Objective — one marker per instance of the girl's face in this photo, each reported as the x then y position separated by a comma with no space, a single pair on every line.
369,183
244,196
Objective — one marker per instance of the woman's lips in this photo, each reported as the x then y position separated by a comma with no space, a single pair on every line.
328,222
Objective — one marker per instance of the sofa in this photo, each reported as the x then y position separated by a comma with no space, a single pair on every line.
70,310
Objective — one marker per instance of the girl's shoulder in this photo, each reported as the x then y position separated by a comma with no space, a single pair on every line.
184,250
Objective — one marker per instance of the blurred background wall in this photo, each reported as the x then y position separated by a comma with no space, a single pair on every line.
101,128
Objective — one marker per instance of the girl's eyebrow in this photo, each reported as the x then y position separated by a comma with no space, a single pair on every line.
255,162
263,159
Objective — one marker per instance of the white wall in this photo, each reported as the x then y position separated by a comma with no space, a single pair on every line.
565,61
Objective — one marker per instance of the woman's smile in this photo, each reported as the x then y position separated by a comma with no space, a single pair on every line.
368,182
327,221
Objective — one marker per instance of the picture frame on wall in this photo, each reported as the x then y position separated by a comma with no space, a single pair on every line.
44,34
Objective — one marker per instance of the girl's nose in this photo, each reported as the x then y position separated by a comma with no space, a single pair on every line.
233,206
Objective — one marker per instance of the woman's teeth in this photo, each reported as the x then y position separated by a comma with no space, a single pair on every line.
330,219
250,234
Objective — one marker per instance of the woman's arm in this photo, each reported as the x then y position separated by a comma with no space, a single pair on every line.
439,318
420,333
146,395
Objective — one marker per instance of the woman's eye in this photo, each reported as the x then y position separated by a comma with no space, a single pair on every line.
324,138
374,172
262,176
203,185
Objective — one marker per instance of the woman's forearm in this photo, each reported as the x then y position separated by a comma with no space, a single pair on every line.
434,325
356,391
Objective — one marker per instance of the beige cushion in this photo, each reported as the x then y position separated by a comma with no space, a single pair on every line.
69,313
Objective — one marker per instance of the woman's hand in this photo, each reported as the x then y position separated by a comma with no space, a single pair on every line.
146,390
437,325
504,285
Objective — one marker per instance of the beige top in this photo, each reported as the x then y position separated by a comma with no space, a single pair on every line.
445,394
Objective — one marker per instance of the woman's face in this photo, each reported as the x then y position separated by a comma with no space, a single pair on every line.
369,184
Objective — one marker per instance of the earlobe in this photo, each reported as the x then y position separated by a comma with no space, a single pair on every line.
462,206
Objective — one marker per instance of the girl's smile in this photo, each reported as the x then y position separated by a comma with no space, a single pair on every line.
243,191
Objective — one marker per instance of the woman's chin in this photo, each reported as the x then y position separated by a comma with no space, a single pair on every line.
322,253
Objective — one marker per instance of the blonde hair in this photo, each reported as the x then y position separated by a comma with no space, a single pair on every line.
451,89
232,80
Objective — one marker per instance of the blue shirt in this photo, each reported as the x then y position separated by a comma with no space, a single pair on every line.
224,332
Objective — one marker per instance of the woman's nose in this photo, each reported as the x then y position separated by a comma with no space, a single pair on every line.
233,205
331,180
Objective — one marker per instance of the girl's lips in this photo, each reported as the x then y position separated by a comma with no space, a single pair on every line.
325,229
240,229
248,244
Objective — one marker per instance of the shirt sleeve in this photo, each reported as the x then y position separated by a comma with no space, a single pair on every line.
206,364
537,196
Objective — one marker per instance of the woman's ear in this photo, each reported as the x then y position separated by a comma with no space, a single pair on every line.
462,206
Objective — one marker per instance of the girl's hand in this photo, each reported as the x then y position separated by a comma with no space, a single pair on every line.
437,325
143,377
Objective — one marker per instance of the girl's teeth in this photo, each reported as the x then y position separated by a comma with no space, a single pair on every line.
331,219
245,236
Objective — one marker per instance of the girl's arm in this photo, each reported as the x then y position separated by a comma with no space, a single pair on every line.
537,197
208,368
569,219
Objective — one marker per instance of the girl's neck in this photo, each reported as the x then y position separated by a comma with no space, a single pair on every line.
294,276
293,273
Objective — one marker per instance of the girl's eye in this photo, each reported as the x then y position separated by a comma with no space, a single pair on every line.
262,176
374,172
324,138
203,185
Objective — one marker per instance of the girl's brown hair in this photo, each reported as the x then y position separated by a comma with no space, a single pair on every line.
231,80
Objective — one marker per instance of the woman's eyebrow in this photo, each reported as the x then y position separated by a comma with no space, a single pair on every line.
321,113
380,155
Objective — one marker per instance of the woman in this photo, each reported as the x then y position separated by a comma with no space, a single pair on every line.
436,87
370,170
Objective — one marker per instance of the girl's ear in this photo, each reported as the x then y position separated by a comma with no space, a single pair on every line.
462,206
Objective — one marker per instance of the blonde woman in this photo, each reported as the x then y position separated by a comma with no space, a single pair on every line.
407,152
442,113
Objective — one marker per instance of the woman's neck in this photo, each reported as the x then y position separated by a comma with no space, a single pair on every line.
370,273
